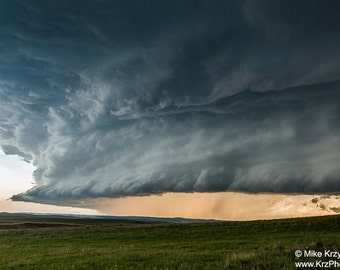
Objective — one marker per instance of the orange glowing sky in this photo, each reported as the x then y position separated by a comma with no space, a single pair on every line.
222,206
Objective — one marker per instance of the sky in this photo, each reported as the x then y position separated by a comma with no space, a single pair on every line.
112,99
16,175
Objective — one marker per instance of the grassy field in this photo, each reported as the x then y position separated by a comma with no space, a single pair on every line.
28,242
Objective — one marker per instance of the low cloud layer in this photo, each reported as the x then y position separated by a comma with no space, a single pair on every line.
111,99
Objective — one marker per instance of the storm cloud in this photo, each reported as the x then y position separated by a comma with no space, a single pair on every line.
116,98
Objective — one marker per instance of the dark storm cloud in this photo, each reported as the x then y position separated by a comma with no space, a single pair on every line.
138,97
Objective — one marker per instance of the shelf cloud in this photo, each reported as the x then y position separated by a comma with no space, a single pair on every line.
117,98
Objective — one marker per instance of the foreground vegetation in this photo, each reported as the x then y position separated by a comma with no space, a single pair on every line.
28,242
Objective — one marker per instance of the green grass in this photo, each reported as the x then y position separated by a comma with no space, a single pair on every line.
106,244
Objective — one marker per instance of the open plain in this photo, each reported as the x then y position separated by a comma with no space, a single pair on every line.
66,242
